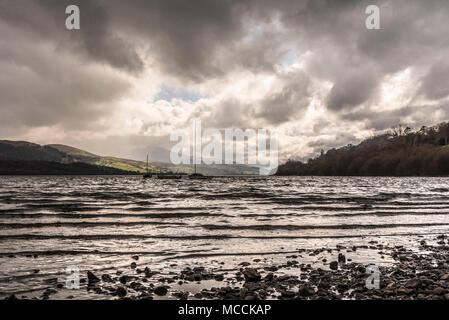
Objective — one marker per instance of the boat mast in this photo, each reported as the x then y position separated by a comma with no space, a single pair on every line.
194,149
147,164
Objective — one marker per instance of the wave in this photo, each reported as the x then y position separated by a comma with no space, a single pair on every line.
200,237
316,227
174,215
83,224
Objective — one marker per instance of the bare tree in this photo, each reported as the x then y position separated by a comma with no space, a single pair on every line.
400,130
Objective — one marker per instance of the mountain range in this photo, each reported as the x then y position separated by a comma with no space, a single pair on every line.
22,157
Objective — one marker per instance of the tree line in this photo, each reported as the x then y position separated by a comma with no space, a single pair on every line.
402,151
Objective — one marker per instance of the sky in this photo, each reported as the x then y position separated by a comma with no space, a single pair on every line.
138,70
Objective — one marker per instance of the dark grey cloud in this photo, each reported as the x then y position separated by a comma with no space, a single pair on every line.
355,59
50,76
42,82
285,101
435,85
189,38
185,37
100,40
352,89
288,102
198,40
30,98
97,39
229,113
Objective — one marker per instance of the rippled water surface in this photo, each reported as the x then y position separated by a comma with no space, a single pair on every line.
97,223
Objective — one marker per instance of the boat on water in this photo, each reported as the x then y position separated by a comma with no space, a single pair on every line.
147,174
169,176
164,176
174,176
196,175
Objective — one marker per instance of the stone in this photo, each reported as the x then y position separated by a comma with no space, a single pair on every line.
219,277
306,290
413,283
91,278
147,272
342,287
121,292
251,275
391,286
438,291
160,291
288,293
123,279
51,281
333,265
198,269
106,278
405,291
198,295
197,277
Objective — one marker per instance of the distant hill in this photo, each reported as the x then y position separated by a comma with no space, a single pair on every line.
73,151
212,170
118,163
401,152
140,166
38,167
22,151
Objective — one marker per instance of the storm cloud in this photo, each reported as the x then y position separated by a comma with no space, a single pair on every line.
289,65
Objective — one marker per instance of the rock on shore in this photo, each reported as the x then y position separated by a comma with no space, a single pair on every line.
414,275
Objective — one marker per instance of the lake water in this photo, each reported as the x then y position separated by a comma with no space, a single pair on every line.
98,223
